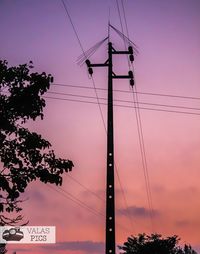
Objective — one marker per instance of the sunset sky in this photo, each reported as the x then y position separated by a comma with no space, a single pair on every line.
168,38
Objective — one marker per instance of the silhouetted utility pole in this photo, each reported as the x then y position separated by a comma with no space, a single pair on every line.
110,191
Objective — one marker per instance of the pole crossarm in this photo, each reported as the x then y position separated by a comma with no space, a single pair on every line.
121,77
99,65
114,52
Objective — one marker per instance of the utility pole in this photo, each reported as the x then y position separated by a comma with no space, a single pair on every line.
110,190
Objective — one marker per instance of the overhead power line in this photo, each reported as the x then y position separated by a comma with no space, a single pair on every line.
82,58
86,188
138,120
124,91
126,41
94,86
82,204
124,101
72,24
92,192
126,202
122,106
124,14
75,200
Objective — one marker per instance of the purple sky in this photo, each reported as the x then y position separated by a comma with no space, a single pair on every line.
168,36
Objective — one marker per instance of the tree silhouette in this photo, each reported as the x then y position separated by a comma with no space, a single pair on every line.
25,156
154,244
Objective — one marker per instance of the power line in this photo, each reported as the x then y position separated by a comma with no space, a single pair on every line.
126,25
92,192
76,200
99,105
98,102
136,109
86,188
126,202
125,101
123,91
80,203
122,106
141,137
120,19
82,58
122,29
143,155
124,196
140,129
70,19
126,39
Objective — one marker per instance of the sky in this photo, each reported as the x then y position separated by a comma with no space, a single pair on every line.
168,38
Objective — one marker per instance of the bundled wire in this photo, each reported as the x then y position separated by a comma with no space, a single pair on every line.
126,39
81,59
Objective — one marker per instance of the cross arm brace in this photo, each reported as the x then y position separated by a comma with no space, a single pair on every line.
99,65
121,76
121,52
89,65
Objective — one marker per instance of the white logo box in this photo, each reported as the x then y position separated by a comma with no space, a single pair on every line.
28,234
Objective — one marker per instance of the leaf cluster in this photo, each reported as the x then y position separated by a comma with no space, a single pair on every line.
24,155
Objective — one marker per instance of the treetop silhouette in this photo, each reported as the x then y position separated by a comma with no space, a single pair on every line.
154,244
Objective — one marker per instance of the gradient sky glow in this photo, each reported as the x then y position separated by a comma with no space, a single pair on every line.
168,36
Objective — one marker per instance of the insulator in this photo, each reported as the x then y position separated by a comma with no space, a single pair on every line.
130,73
132,82
130,50
131,58
90,70
88,62
51,79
